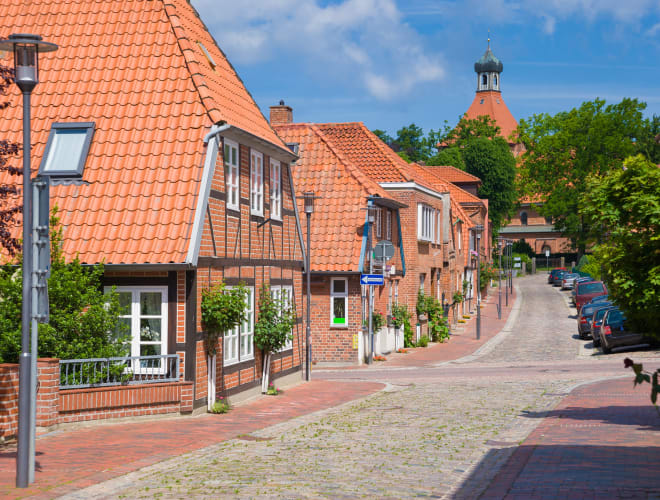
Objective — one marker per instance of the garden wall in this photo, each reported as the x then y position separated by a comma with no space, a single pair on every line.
55,406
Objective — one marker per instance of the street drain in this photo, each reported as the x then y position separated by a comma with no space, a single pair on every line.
249,437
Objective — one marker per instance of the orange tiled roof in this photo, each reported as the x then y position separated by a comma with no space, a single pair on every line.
490,103
452,174
441,184
137,71
343,189
371,155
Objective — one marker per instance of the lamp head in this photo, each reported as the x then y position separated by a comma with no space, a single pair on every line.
26,49
308,200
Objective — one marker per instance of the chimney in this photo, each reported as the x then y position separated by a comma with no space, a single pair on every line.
281,114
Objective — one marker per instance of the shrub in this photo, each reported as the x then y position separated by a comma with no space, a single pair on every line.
220,406
423,341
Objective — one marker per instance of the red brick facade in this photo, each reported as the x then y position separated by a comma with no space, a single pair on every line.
55,406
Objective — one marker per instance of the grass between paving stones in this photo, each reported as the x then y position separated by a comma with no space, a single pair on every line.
419,441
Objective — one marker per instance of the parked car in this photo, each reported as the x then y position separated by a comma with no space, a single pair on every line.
615,332
587,290
558,277
599,298
597,320
578,280
568,280
585,317
553,273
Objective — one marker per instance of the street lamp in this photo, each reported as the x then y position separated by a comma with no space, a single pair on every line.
26,49
478,229
308,200
499,280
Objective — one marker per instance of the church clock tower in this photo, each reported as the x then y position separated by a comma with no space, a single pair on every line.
488,70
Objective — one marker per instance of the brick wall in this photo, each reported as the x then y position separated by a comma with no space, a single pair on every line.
256,251
55,406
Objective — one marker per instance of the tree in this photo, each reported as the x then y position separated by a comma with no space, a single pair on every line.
8,149
448,156
411,144
563,150
626,203
492,161
384,136
84,322
273,328
468,129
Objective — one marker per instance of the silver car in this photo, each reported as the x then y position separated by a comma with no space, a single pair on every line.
568,281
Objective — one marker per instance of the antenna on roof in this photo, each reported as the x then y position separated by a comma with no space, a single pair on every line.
488,38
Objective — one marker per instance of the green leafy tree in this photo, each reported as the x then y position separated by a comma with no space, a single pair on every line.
273,329
384,136
8,149
522,247
222,309
564,150
468,129
84,322
626,202
492,161
411,143
448,156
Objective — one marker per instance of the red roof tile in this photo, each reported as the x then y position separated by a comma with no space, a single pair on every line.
491,103
343,189
452,174
138,71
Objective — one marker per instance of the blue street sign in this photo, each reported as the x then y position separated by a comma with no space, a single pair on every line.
372,279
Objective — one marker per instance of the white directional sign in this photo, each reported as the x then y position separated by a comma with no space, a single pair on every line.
372,279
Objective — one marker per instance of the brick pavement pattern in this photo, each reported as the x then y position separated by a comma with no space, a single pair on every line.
451,422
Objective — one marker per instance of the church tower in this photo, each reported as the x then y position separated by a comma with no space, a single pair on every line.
488,100
488,70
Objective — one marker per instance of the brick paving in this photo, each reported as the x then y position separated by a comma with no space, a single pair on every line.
465,419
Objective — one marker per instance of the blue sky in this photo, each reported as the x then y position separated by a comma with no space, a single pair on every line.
390,63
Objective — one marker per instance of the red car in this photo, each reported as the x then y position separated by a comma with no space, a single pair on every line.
587,290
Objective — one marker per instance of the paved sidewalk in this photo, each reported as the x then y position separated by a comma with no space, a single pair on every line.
73,459
601,441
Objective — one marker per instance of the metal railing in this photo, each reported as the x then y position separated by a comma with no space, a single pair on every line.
129,370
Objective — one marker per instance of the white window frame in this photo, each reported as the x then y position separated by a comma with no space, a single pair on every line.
338,295
425,222
379,223
275,189
285,293
135,317
459,231
256,183
238,343
232,173
388,225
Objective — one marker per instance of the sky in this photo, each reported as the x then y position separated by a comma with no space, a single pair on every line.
390,63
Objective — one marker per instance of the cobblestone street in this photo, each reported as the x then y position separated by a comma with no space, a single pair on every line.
436,431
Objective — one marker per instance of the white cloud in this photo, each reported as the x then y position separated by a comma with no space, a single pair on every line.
653,30
352,40
546,12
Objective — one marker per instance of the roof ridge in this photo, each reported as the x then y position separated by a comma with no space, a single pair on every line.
192,64
352,169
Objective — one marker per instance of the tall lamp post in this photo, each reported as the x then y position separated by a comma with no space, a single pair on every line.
478,228
308,199
499,280
26,49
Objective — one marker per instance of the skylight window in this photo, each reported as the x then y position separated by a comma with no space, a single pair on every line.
67,148
207,54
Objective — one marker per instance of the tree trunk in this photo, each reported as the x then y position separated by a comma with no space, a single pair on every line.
265,373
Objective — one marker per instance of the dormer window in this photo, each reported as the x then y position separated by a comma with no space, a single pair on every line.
67,149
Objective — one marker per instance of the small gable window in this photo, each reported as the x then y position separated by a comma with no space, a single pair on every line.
523,218
231,173
256,183
67,148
